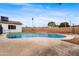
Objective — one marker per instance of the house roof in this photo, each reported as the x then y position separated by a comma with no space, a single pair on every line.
11,22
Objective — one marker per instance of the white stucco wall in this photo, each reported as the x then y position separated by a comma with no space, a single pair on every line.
6,30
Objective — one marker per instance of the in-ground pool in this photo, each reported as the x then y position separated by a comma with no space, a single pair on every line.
31,35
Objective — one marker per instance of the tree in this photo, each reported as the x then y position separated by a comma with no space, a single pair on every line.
64,24
51,24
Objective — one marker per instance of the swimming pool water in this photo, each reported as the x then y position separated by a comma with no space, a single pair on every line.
30,35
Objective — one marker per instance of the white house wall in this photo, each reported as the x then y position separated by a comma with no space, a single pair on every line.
6,30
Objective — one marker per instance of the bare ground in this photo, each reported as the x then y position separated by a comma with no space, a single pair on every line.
75,40
38,47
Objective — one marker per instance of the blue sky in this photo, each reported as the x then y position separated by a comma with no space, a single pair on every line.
41,12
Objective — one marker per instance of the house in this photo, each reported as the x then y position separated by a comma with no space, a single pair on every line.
9,26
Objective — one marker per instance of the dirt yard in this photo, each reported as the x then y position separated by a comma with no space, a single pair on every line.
38,47
75,40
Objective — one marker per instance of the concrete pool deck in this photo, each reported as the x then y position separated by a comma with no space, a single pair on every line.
37,47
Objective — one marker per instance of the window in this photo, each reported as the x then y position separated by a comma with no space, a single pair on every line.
11,27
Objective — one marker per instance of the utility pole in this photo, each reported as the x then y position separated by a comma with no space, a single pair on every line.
65,22
73,29
70,26
32,23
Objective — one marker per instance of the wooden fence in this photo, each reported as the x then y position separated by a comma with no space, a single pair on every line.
52,30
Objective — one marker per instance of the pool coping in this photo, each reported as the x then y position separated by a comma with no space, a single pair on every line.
67,37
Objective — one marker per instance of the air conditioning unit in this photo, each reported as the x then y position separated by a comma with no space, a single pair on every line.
3,18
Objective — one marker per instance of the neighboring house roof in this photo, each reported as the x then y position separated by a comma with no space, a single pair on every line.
11,22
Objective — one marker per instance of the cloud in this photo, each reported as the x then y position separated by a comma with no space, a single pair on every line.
22,4
41,13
